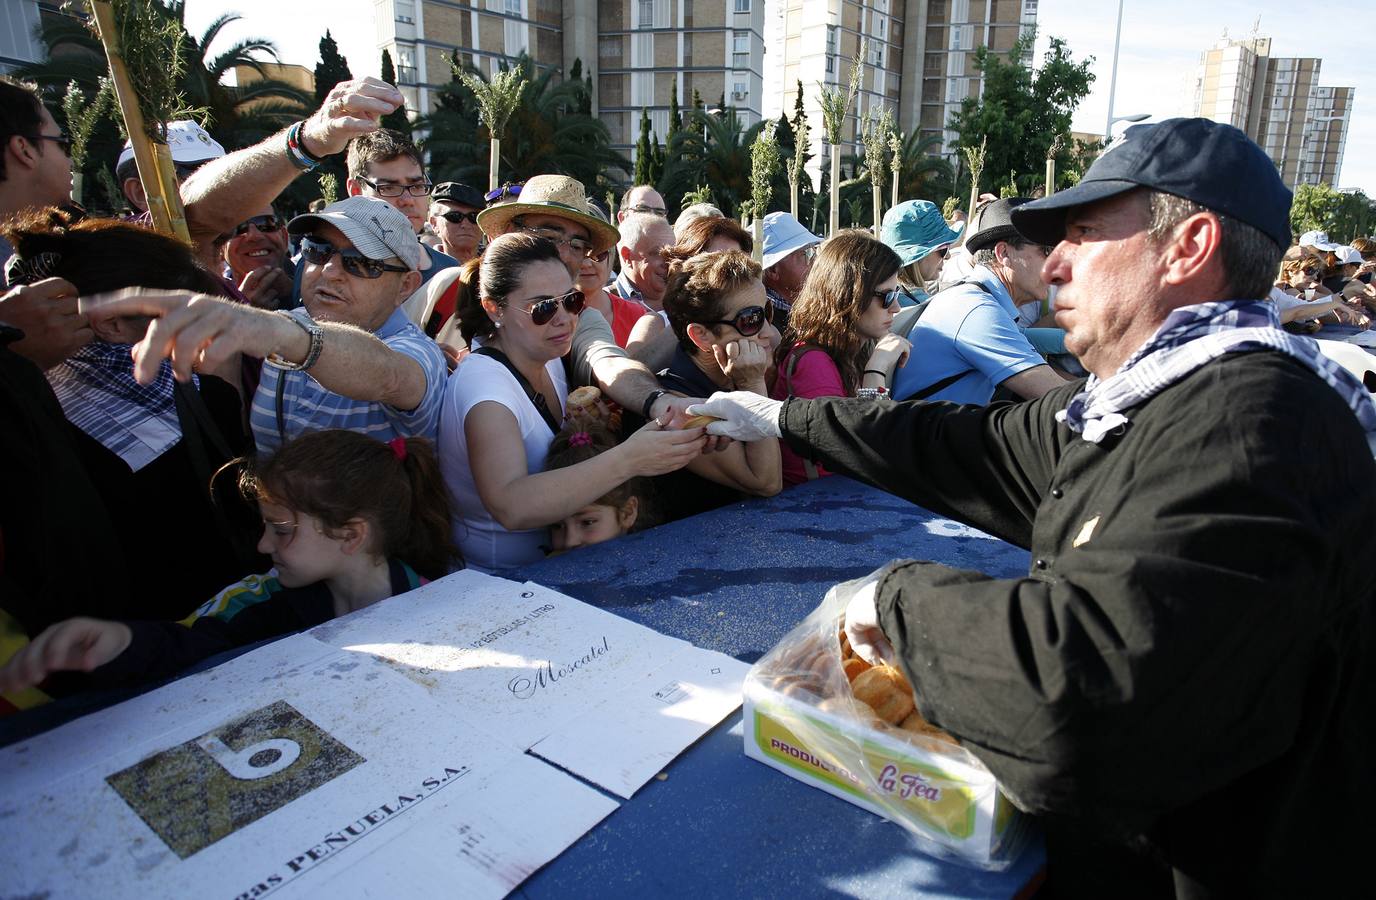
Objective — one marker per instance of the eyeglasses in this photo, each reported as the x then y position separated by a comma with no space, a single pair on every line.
581,246
501,193
60,140
652,210
318,253
263,223
543,310
600,258
940,252
747,321
458,218
392,189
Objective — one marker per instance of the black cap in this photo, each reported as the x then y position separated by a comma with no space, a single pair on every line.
1214,165
993,223
462,194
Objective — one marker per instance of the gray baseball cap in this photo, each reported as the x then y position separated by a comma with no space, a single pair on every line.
377,229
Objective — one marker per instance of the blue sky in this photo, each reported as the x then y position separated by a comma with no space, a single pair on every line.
1159,56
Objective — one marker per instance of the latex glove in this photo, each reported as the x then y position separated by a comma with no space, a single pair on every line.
745,416
862,627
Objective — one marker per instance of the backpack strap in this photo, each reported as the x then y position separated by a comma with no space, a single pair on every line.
537,399
911,323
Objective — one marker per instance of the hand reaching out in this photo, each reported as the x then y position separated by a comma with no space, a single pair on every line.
78,645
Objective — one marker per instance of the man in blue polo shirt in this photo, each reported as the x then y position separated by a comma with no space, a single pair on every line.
967,343
349,359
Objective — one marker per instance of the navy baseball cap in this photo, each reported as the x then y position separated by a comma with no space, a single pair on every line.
1214,165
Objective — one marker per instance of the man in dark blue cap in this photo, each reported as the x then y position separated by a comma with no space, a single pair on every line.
1181,687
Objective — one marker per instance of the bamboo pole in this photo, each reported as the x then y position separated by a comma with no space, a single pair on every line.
494,163
1050,175
834,219
163,205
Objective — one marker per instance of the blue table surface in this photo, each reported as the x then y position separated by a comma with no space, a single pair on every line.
736,580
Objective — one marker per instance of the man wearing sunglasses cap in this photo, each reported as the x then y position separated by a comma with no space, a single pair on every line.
969,335
454,212
1181,685
348,359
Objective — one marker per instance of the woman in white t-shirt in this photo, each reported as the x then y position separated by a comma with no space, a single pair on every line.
505,402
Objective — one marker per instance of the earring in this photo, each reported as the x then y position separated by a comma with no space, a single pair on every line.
498,323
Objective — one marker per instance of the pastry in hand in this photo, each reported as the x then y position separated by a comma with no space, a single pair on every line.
854,666
697,422
886,691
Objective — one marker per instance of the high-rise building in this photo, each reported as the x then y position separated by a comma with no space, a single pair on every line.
1278,102
637,52
919,57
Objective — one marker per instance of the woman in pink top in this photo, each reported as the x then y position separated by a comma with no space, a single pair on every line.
837,343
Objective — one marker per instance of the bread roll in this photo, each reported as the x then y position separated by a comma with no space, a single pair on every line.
854,666
886,691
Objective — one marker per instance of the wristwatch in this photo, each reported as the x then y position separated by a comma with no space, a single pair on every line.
317,336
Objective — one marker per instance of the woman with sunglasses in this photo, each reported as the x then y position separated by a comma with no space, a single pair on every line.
716,307
504,404
838,343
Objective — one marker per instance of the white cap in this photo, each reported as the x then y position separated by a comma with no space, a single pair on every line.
376,228
1348,255
1318,240
189,143
782,235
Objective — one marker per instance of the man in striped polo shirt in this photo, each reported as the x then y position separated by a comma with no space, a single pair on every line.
349,359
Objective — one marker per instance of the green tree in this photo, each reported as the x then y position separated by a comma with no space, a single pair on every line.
545,135
397,119
1344,215
712,150
644,152
1021,112
331,70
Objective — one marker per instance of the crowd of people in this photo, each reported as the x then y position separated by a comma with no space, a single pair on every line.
326,411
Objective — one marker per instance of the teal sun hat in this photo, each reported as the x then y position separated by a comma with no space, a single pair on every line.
915,228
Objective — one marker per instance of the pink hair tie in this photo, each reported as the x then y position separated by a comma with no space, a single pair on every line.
580,439
398,445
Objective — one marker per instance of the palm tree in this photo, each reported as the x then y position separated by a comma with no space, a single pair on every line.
548,133
713,149
238,116
922,174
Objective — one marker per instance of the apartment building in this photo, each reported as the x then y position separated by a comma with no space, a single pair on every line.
1279,103
638,52
919,57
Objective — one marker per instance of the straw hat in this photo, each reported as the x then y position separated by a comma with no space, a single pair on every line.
550,195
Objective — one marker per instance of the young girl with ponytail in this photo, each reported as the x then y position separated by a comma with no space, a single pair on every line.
347,520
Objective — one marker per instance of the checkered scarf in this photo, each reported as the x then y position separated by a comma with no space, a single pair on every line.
99,395
1191,337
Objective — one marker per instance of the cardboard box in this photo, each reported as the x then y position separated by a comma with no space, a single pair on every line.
941,797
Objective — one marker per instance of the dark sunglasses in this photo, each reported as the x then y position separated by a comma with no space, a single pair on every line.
318,253
506,190
888,298
543,310
748,321
458,218
60,140
262,223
